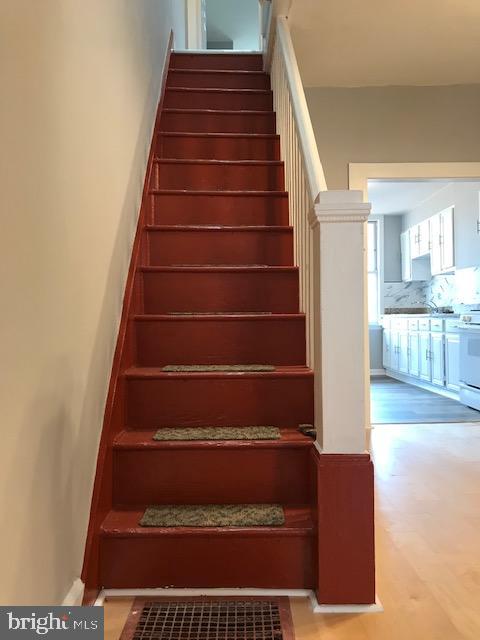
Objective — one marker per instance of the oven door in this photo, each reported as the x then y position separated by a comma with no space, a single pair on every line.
470,355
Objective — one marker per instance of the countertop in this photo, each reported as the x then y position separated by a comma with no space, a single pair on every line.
421,315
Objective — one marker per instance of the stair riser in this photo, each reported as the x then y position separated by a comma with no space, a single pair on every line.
217,148
221,247
211,122
221,291
213,100
185,341
219,401
219,209
218,80
210,562
210,476
250,62
221,177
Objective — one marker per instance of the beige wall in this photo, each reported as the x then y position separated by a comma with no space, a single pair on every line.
393,124
79,85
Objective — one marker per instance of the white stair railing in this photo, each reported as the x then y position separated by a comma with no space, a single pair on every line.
329,231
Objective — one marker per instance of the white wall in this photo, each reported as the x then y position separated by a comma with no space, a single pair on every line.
80,83
237,20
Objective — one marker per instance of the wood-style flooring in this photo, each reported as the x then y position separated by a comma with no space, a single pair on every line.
393,401
428,551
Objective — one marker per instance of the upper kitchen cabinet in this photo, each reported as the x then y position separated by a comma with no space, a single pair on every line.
420,239
442,257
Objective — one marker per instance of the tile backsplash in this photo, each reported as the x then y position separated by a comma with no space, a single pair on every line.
460,290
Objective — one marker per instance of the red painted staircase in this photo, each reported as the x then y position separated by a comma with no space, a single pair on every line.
212,281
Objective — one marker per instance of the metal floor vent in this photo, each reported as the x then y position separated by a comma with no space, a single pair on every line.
209,620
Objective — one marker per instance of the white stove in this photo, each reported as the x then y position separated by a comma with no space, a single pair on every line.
469,328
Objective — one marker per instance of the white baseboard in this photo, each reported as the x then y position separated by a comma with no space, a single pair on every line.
442,391
376,607
74,596
378,372
290,593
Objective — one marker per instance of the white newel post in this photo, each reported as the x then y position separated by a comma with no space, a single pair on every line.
341,321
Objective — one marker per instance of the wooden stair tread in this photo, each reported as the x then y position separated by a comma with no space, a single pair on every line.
217,134
299,520
143,440
213,192
224,316
220,90
222,268
241,72
208,161
242,112
210,227
157,373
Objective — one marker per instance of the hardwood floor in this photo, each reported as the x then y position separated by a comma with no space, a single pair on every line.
428,552
393,401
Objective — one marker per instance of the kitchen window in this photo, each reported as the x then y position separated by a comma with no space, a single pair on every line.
372,266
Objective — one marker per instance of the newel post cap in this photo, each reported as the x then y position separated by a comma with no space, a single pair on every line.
340,206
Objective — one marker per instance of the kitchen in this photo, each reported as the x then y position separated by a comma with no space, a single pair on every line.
424,300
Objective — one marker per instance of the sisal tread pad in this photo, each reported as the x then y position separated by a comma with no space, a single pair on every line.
228,368
218,433
214,515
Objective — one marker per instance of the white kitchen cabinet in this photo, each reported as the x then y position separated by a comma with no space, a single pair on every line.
420,239
424,361
387,339
437,355
442,255
414,354
452,357
403,352
406,256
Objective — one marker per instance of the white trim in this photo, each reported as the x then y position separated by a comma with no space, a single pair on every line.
289,593
190,593
74,596
416,382
377,607
377,372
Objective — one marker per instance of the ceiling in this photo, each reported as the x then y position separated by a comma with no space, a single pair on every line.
390,197
347,43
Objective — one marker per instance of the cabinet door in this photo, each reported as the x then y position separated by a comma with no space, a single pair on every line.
452,358
424,362
413,354
415,241
394,359
386,349
403,352
438,359
406,257
447,239
436,247
424,238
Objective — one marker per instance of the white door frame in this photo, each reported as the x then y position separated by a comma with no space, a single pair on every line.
196,24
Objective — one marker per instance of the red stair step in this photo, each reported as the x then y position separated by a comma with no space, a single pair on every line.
224,289
224,79
256,557
169,245
189,472
216,207
208,98
234,61
280,398
211,339
219,146
211,120
224,175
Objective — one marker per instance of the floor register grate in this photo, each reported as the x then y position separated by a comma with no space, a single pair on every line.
210,620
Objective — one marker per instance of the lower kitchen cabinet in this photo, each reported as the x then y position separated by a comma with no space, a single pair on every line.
428,350
452,357
437,357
